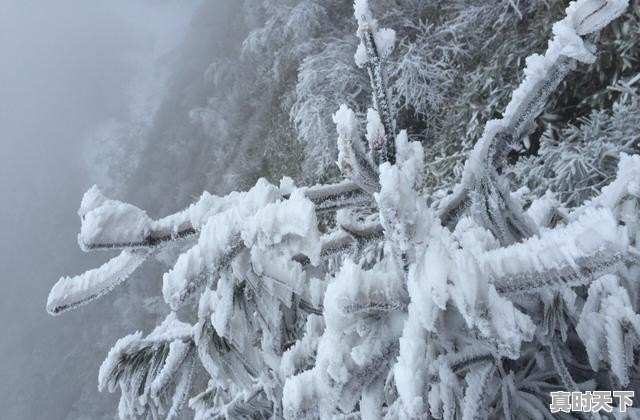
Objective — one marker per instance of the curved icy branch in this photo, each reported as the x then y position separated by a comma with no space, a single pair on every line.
177,226
489,155
189,274
543,74
469,357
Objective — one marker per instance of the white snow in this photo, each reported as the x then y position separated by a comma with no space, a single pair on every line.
220,235
410,158
606,318
360,56
566,42
375,130
171,329
290,224
106,221
410,371
362,13
626,183
347,127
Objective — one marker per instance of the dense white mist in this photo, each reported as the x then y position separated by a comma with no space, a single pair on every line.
68,69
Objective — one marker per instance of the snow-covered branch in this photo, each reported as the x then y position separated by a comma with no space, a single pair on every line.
375,46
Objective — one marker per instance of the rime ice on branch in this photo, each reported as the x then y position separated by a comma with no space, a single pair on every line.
405,307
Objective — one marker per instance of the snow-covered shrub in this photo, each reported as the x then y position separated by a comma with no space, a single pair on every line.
411,304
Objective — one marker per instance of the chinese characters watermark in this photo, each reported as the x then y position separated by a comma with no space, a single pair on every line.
590,401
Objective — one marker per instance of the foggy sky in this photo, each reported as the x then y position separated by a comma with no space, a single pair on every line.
67,67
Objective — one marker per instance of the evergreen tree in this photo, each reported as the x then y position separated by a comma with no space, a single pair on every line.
405,289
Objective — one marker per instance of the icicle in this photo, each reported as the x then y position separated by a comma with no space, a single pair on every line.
543,74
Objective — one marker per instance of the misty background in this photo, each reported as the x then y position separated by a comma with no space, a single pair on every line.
91,93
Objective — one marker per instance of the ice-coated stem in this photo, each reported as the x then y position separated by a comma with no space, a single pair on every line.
543,75
367,31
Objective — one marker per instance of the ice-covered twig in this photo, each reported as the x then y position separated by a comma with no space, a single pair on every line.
609,327
626,184
375,45
243,405
178,354
182,388
571,255
70,292
332,197
152,240
560,367
111,224
258,222
192,271
468,357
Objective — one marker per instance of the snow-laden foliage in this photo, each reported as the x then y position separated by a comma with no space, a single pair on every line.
409,303
578,160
